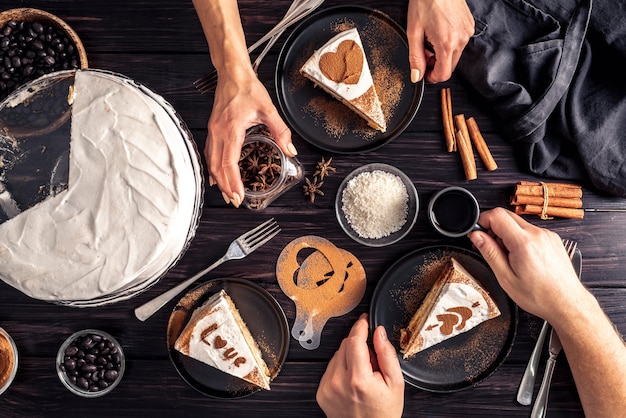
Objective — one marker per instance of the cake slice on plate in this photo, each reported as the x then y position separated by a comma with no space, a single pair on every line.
455,304
217,335
340,67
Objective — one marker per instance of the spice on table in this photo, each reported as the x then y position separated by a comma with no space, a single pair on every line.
467,154
480,144
311,188
324,168
448,123
548,200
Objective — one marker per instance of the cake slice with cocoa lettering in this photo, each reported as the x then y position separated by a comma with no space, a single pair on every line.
455,304
217,335
340,67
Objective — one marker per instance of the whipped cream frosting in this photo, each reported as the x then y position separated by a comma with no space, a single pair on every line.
126,214
215,336
447,320
347,91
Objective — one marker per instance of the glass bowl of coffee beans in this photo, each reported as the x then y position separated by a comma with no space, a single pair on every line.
34,42
90,363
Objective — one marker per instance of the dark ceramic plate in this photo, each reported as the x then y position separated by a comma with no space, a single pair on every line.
265,320
322,120
460,362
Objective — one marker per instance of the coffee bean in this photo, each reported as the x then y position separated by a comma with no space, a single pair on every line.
71,350
111,375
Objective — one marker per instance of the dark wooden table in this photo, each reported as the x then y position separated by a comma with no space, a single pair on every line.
160,43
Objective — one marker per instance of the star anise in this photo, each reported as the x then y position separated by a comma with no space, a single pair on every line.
311,188
324,168
260,166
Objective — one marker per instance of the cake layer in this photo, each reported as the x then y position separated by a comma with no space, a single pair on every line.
340,67
217,335
456,304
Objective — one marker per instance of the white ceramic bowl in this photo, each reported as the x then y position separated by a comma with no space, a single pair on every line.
411,216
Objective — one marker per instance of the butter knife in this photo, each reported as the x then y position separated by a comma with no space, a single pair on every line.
541,403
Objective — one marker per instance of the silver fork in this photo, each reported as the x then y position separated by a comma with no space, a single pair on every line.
237,249
298,10
525,391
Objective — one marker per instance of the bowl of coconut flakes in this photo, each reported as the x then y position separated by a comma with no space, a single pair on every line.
377,205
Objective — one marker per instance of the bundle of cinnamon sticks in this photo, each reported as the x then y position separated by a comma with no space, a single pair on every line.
461,134
548,200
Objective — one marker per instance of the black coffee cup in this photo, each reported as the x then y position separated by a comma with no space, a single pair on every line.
454,212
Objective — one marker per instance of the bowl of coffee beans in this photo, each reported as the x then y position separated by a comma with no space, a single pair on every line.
90,363
34,42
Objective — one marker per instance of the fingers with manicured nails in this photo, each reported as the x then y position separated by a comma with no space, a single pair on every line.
281,134
415,36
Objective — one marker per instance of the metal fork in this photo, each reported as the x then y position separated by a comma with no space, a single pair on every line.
298,10
525,391
237,249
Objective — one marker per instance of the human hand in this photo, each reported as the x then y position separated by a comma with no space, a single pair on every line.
530,263
447,25
241,102
360,383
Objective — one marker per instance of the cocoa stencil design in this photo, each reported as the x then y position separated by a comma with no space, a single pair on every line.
329,282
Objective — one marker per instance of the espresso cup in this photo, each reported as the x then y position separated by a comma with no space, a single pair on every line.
454,212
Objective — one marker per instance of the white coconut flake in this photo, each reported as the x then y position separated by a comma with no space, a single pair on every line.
375,204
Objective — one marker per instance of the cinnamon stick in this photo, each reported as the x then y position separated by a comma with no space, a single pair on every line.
550,211
446,115
467,155
563,202
480,144
461,125
554,189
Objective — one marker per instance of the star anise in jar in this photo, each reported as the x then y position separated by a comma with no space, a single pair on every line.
260,166
311,188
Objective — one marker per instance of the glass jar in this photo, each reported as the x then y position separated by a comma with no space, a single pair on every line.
266,171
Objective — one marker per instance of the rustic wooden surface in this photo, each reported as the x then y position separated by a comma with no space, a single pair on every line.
159,43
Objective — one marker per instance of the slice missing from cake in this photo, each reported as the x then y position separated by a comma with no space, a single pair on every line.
455,304
340,67
217,335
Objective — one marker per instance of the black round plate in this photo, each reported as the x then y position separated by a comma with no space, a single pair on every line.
462,361
386,47
265,320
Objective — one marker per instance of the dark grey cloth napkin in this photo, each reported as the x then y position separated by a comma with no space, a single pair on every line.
555,73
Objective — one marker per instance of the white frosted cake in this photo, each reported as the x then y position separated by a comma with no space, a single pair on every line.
127,211
340,67
456,304
217,335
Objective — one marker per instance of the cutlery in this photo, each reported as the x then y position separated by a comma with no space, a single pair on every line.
238,249
298,10
541,403
525,391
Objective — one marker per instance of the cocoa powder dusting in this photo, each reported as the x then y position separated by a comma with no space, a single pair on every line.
333,116
344,65
478,353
